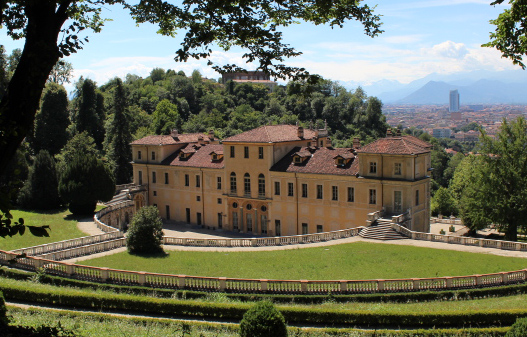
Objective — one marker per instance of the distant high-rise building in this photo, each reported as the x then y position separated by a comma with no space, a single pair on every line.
454,101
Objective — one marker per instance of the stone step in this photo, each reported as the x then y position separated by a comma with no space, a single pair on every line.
381,230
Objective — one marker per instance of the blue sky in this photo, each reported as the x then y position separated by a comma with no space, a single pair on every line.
421,37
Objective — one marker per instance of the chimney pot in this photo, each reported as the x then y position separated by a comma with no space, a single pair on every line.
300,132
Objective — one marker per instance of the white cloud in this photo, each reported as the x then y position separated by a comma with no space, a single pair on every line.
448,49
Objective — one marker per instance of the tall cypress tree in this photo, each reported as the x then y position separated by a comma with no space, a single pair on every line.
90,114
52,121
118,137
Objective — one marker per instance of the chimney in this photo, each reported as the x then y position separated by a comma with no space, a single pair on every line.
300,132
211,135
200,140
356,143
389,133
174,133
328,142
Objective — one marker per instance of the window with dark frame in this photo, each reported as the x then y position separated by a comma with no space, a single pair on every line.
245,152
276,188
187,180
290,190
233,183
351,194
304,229
139,155
397,169
232,152
320,194
261,185
373,197
304,190
140,177
153,155
166,178
153,177
320,229
373,167
260,152
247,184
417,197
334,193
218,183
198,181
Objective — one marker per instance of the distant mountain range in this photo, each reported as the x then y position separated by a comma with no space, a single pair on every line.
478,87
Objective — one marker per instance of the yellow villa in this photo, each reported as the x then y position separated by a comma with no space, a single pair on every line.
282,180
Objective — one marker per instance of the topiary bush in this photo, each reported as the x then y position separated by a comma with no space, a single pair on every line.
518,329
263,320
3,312
145,233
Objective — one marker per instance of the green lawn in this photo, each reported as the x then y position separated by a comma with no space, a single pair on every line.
62,225
358,260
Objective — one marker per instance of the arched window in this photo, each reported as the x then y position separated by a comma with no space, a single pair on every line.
233,183
247,184
261,186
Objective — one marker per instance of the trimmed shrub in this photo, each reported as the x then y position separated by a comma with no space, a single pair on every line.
145,233
518,329
263,320
3,312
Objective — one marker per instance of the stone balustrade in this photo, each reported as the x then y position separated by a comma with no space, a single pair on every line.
264,241
238,285
460,240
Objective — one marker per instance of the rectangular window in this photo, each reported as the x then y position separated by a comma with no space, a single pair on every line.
276,188
139,155
198,215
218,183
397,169
334,193
264,223
304,228
198,181
417,197
290,189
155,205
320,194
166,178
233,184
219,201
220,221
320,229
187,180
140,177
277,229
198,198
397,201
245,152
304,190
155,193
153,177
249,222
232,151
187,213
351,194
153,155
373,167
373,197
260,152
167,210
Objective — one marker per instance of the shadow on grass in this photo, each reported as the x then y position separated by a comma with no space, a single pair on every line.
158,255
50,212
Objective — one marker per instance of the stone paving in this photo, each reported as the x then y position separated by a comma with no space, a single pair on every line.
188,231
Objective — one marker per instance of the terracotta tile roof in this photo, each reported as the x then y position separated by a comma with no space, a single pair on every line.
271,134
200,158
397,145
169,140
321,162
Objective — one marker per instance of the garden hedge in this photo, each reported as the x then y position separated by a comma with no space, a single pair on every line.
234,311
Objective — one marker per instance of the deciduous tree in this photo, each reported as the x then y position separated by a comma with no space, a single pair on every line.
145,233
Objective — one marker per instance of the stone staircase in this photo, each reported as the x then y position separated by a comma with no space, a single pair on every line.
121,196
381,230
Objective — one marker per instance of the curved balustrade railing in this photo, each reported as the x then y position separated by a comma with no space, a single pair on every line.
225,284
460,240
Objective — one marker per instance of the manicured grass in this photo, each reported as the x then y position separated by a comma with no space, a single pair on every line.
358,260
62,225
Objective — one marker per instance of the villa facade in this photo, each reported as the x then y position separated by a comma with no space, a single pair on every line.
282,180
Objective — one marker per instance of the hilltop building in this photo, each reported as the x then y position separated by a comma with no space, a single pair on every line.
254,77
282,180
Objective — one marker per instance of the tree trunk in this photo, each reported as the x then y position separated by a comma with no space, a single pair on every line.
511,232
20,102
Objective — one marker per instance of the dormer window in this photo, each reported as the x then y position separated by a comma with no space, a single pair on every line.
297,159
340,161
215,156
343,159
